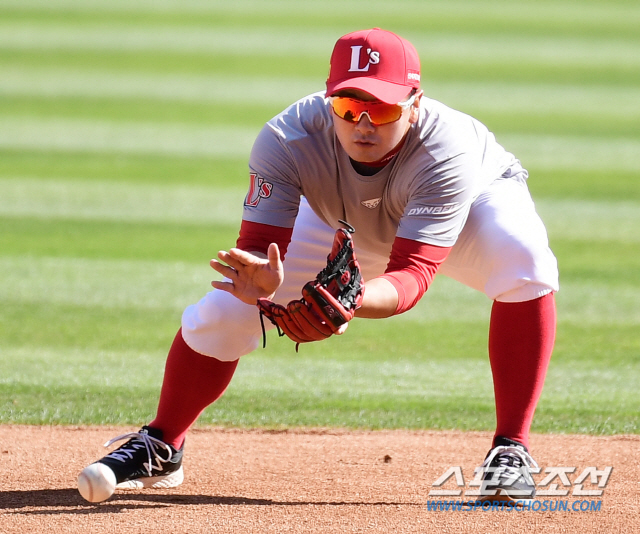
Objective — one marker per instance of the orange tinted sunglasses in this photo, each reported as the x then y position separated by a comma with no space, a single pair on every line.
379,113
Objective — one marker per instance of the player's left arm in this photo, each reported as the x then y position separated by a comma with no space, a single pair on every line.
380,299
411,269
339,293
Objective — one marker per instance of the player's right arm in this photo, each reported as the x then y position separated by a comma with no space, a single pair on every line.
253,269
248,276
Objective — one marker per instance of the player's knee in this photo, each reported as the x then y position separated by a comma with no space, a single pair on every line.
222,341
221,326
523,271
525,292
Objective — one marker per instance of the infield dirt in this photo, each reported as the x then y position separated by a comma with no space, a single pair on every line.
307,481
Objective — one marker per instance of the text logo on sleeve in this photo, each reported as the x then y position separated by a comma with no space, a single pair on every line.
432,210
258,189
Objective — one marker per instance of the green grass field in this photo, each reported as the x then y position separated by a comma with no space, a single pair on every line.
125,128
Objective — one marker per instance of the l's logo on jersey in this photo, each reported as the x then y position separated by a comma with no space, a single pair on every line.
258,189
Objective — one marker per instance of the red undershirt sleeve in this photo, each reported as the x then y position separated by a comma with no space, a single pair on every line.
411,269
256,237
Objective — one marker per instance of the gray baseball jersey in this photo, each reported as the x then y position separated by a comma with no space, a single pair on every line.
424,194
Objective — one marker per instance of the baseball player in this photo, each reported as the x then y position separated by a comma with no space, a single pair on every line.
428,190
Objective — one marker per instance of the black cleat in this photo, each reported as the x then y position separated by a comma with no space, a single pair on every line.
507,473
145,461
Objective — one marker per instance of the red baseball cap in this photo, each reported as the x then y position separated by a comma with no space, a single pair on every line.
376,61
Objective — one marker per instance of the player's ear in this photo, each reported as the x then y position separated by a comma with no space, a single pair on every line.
415,108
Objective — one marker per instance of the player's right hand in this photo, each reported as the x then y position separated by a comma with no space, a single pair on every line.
248,276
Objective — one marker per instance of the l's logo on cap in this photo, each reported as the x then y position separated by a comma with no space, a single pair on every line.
373,59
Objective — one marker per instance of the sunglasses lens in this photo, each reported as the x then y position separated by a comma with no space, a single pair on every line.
378,112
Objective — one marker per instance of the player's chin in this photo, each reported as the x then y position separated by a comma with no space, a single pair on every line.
365,152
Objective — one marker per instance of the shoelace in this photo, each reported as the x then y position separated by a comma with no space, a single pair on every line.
510,460
149,442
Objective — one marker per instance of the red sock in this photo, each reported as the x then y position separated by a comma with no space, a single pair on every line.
521,338
192,382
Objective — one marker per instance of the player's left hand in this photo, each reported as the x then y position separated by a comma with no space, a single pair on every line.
328,303
297,321
249,277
